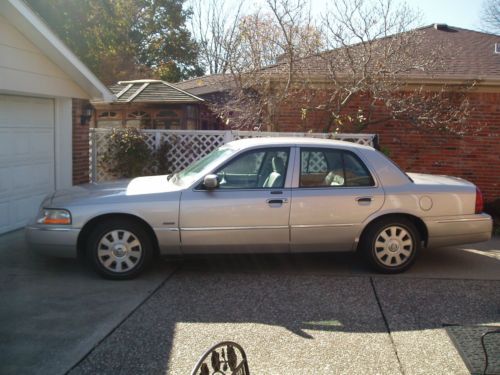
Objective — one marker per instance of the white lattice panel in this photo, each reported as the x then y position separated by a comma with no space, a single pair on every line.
185,146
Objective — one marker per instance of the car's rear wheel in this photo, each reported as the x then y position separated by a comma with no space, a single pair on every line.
391,245
119,249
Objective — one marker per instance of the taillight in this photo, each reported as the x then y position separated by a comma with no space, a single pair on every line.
479,201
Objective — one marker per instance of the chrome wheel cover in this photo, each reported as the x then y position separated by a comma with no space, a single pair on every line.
393,246
119,251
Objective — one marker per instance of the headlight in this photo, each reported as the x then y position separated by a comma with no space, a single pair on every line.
53,216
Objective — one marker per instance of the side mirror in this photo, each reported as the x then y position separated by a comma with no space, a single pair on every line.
210,181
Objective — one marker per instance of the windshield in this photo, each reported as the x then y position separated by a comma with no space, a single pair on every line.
197,169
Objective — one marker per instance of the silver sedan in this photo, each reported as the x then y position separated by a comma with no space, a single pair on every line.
273,195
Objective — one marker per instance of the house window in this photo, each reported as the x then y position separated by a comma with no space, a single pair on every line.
139,119
167,119
191,117
108,119
107,115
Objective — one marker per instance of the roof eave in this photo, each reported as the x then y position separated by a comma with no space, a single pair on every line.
33,27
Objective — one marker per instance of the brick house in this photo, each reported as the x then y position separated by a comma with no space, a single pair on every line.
152,104
475,157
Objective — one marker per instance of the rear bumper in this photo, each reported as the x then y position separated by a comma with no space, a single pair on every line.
458,230
58,242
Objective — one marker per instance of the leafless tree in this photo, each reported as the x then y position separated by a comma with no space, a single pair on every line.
365,63
490,15
214,25
268,41
376,56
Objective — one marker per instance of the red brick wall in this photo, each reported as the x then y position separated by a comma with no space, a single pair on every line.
80,144
473,157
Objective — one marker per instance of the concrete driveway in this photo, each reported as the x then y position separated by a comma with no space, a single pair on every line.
308,314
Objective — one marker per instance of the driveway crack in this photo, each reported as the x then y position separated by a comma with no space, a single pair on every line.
386,325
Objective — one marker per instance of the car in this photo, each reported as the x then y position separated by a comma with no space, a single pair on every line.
263,195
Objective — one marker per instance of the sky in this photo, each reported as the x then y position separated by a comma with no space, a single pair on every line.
458,13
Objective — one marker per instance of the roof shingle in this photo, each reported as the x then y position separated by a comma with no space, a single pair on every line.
471,57
152,91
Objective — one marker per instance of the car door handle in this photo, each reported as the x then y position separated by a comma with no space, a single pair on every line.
277,201
363,199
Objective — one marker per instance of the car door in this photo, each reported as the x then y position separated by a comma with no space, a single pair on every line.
333,193
248,212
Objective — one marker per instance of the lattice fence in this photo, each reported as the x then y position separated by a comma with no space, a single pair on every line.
186,146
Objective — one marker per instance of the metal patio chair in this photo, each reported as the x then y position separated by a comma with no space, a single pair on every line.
486,353
225,358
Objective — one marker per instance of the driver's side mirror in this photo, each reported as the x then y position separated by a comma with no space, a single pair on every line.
210,181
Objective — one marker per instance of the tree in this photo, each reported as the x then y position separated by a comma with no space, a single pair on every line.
373,47
350,68
214,25
491,16
281,33
125,39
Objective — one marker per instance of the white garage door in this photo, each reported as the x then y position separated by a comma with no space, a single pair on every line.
26,157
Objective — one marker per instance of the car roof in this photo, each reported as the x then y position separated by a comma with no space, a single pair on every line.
292,141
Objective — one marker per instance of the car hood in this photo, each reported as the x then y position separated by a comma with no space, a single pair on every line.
109,190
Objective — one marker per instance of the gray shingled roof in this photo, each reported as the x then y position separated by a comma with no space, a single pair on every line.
206,84
151,91
474,58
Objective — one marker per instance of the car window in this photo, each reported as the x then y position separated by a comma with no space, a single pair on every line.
314,162
332,168
356,173
321,168
255,169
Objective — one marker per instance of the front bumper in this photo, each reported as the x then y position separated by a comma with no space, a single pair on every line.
53,241
447,231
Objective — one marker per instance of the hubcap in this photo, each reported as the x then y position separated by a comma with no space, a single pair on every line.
119,250
393,246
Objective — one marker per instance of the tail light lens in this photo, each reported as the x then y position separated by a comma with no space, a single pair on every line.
479,201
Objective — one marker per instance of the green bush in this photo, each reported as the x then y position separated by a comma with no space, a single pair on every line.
128,154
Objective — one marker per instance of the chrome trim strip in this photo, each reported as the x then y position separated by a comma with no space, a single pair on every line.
203,229
166,229
460,220
322,225
55,229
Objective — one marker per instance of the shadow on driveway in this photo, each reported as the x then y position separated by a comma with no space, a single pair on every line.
304,314
53,311
314,314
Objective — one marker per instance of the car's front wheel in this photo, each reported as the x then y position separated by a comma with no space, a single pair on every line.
119,249
391,245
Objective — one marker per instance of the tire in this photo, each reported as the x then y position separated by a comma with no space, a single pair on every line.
119,249
391,245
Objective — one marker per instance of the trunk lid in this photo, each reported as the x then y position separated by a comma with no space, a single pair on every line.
430,179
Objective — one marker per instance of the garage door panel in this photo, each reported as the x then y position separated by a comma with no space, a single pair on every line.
31,178
17,181
23,112
18,145
26,157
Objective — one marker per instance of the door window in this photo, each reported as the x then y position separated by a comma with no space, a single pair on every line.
332,168
256,169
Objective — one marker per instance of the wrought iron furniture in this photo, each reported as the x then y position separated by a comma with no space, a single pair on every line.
486,354
225,358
